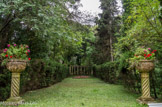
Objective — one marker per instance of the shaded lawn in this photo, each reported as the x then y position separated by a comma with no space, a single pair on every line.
90,92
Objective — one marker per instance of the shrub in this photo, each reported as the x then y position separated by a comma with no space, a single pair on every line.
5,83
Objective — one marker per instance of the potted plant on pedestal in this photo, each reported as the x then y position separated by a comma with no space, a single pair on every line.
143,60
15,58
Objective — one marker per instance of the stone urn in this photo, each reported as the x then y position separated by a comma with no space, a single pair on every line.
144,67
16,66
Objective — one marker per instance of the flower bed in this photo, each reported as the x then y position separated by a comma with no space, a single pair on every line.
80,77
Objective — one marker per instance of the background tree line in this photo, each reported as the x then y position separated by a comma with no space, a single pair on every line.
119,35
54,33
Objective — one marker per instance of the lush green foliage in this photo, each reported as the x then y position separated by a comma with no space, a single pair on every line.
5,81
141,27
45,26
53,36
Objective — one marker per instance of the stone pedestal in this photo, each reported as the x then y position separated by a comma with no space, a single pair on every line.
15,87
144,67
16,67
145,85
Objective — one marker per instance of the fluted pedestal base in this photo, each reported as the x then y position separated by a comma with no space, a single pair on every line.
14,101
145,100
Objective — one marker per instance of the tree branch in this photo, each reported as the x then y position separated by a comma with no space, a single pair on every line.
150,22
6,25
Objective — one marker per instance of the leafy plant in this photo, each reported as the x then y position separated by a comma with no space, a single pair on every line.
142,54
15,52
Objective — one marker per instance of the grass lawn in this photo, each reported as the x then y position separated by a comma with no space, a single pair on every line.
90,92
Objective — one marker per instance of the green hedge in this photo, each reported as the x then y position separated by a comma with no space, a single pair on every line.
112,72
5,83
107,72
39,74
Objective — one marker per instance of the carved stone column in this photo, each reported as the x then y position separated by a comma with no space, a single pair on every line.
15,84
16,67
144,67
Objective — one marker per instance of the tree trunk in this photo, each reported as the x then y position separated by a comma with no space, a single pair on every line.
111,48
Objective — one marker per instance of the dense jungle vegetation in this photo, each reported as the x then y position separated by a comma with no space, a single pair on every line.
59,35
